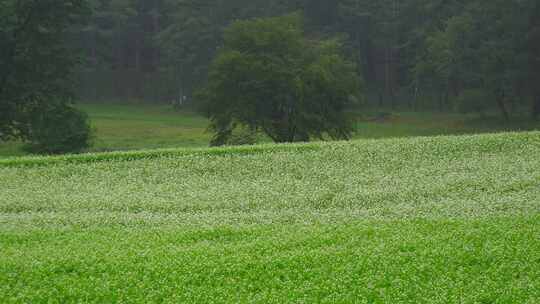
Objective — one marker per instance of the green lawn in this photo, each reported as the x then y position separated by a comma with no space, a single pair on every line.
412,220
129,127
125,127
411,124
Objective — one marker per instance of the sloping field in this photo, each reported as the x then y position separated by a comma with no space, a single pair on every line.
421,220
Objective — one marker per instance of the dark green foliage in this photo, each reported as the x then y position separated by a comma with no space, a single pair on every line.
533,48
268,77
36,61
242,137
473,101
56,129
419,54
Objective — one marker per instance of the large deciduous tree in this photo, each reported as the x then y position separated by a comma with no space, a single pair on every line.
36,60
269,77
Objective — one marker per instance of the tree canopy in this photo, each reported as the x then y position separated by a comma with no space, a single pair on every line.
268,76
37,58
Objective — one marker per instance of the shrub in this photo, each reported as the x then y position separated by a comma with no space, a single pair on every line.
58,129
242,137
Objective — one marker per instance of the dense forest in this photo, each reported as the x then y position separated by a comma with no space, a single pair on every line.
470,56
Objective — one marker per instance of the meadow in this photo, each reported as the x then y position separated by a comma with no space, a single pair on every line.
128,127
443,219
123,127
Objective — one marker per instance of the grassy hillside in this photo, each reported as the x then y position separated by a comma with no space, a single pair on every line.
129,127
419,220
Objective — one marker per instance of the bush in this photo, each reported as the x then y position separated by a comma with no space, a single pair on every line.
58,129
242,137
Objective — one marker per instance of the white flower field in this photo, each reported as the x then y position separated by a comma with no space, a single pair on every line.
434,219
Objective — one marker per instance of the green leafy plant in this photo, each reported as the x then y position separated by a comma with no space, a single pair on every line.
58,129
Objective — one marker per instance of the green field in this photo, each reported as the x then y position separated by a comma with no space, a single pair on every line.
134,127
128,127
412,220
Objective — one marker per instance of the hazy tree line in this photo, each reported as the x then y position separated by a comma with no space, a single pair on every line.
450,55
419,54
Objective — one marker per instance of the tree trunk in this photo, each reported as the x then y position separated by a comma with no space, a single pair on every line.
502,106
137,50
444,100
387,74
94,63
137,92
156,30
